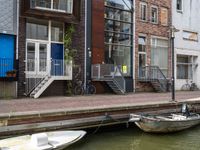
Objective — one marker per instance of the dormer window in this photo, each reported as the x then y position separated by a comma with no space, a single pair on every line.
65,6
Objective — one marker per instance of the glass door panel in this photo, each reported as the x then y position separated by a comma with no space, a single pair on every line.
31,49
37,57
142,63
42,57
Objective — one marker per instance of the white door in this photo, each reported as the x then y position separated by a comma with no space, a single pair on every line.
37,58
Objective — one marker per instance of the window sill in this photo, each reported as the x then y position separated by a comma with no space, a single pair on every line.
52,10
179,11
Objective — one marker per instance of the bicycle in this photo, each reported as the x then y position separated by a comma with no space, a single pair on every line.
80,89
189,86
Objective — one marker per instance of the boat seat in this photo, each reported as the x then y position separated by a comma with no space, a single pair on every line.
40,139
178,117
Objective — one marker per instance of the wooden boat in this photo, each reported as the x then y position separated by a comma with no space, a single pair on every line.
42,141
165,123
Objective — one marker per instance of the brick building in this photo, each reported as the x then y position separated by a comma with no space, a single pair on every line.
42,27
152,44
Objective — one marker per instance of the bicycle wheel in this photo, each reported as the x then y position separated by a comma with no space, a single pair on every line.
185,87
78,90
91,89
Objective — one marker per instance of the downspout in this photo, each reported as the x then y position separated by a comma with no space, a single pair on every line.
134,74
17,32
17,41
85,59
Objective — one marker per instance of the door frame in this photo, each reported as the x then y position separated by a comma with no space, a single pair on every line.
36,69
141,53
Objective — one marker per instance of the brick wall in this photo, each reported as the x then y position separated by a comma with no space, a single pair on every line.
78,43
22,54
149,29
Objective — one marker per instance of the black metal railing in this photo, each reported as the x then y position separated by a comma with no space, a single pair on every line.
153,73
106,71
6,66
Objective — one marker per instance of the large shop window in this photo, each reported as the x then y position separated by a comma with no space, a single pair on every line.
119,33
184,67
65,6
159,54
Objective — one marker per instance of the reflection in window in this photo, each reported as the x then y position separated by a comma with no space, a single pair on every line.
31,56
56,5
143,11
154,14
37,29
179,5
57,32
118,33
43,57
184,67
159,54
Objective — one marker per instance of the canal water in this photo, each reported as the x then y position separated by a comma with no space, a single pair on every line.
133,138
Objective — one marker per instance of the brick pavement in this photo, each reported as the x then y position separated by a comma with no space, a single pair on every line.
90,102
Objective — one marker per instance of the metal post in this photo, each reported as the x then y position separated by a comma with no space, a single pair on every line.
173,79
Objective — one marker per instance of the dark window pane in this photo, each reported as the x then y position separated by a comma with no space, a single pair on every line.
37,29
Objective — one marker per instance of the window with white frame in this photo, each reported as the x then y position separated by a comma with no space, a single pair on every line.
143,11
179,5
159,54
184,67
154,14
55,5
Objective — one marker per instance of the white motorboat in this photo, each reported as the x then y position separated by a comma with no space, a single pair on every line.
56,140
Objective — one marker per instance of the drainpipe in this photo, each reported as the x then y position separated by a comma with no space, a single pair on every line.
85,60
17,32
134,75
17,41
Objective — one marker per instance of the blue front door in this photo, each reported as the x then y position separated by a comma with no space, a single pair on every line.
57,56
7,45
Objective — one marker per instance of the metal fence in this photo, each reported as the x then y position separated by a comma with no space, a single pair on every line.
38,71
102,72
5,66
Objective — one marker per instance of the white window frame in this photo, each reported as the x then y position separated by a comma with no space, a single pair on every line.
141,11
142,53
179,10
48,42
56,10
156,14
156,45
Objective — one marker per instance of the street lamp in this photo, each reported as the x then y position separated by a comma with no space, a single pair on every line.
172,31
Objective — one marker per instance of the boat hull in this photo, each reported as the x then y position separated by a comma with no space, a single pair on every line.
57,140
163,125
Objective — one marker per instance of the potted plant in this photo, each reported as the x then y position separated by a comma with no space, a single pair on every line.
11,73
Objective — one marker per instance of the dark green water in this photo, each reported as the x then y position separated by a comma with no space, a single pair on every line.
134,139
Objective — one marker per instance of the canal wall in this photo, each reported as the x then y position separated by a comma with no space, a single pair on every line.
37,121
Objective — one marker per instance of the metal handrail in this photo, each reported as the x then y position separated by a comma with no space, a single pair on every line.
38,71
152,73
109,71
6,64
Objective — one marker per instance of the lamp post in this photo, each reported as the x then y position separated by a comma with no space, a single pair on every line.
173,30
